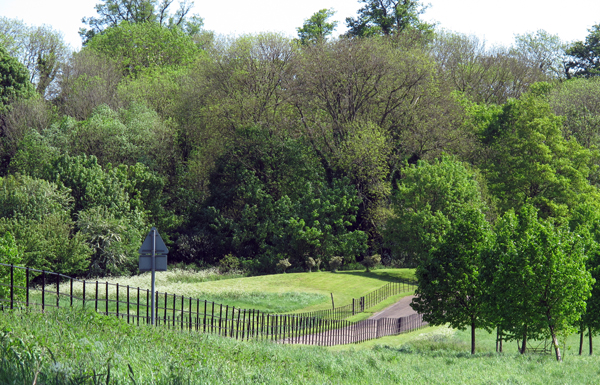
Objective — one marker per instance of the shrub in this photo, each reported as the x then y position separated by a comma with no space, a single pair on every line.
371,261
282,265
229,263
335,263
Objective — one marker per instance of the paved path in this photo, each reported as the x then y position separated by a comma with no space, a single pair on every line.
386,322
399,309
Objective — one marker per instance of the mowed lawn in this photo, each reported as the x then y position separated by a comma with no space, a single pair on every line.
279,293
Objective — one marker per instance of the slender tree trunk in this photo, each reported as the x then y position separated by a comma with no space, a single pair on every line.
555,343
581,340
590,336
501,338
472,337
497,335
524,347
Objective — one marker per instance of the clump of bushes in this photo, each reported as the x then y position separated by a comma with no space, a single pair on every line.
335,263
371,261
282,265
312,263
229,263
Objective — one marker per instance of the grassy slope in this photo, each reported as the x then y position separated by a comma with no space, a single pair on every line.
264,292
84,345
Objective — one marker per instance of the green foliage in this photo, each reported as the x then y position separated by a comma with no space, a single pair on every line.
335,263
317,28
10,255
584,55
36,213
229,263
429,199
539,277
450,288
387,17
283,265
40,48
14,81
114,241
137,46
114,12
531,161
370,261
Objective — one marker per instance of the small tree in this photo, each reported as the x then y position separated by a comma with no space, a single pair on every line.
282,265
335,263
449,286
310,263
229,263
371,261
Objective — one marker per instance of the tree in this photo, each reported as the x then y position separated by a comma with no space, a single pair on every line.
387,17
450,289
485,75
139,46
317,28
584,60
113,12
14,81
429,200
40,48
531,162
540,281
544,51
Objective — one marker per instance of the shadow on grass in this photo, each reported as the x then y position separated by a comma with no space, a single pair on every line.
380,275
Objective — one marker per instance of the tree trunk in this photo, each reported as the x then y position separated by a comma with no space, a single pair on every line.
472,337
581,340
555,343
497,338
590,336
524,347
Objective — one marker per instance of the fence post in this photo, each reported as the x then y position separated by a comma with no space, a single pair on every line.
96,306
12,291
84,293
27,287
57,290
43,289
106,304
117,300
127,303
138,306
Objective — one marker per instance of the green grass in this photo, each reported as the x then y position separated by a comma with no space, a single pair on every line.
297,292
76,347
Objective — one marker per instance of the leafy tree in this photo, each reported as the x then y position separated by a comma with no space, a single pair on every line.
585,222
386,17
540,280
317,28
450,289
584,56
530,161
544,51
136,46
40,48
10,255
36,212
113,12
89,80
485,75
577,102
429,200
14,81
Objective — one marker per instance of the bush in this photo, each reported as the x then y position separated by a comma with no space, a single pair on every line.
229,263
371,261
10,255
335,263
282,265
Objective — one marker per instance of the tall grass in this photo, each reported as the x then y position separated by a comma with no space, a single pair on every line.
71,346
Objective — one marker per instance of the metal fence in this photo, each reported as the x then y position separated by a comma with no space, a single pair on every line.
359,305
179,312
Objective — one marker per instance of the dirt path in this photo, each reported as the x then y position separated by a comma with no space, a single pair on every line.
399,309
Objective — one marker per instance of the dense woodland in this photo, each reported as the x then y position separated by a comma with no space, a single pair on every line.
478,165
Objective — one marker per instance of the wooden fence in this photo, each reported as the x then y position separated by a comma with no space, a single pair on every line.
180,312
